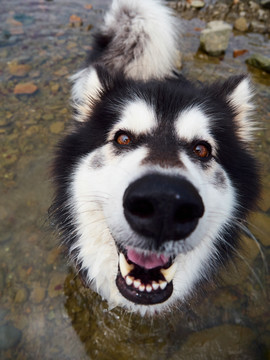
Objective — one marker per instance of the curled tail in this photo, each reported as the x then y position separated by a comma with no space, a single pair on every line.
138,38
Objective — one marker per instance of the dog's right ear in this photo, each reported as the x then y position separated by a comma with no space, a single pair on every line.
88,87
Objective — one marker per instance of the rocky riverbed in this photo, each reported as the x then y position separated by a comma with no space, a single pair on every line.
45,312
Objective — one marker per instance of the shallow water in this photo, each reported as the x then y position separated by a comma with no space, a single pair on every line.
45,313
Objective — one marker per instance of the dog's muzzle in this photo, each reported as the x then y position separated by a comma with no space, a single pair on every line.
158,208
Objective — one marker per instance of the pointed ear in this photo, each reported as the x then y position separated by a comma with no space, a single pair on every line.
88,86
238,93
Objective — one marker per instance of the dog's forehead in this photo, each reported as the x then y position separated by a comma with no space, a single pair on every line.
193,124
137,117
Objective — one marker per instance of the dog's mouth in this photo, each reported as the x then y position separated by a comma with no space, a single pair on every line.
145,279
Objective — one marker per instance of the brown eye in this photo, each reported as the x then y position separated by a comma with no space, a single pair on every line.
202,150
123,139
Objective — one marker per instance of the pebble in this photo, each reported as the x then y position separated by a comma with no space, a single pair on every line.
57,127
239,52
88,6
21,296
19,70
197,4
259,61
37,294
62,72
75,20
55,88
10,336
56,284
215,38
25,89
241,24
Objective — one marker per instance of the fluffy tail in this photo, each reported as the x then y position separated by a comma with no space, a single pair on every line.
138,38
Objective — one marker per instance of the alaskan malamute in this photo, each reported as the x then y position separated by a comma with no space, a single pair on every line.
156,176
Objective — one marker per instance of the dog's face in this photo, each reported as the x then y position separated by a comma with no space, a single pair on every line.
153,184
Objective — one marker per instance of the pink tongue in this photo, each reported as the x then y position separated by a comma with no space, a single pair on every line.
146,261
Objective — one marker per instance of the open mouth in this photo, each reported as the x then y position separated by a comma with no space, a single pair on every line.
145,279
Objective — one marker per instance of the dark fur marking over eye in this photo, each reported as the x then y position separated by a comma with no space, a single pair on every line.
97,161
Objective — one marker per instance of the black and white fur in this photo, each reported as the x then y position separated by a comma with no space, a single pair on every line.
129,89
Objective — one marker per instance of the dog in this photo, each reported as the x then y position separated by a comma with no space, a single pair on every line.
156,176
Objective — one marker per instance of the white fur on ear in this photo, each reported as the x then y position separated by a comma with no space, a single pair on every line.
241,101
85,91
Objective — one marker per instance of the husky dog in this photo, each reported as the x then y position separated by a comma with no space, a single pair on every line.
156,176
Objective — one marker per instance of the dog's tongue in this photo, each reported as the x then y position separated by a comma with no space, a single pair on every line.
149,261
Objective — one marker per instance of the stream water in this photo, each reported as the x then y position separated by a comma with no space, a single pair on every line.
45,313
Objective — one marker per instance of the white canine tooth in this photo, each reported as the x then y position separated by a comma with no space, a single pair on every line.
169,273
162,284
125,267
129,280
148,288
142,287
136,283
155,285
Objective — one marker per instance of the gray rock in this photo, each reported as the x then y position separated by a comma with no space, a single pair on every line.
197,4
258,26
259,61
265,4
215,38
9,336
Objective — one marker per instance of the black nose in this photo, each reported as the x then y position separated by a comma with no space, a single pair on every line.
162,207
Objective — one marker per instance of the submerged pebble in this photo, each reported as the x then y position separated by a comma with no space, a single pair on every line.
19,70
25,88
57,127
10,336
21,296
37,294
56,284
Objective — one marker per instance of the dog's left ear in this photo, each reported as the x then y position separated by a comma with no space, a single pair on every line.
238,93
88,87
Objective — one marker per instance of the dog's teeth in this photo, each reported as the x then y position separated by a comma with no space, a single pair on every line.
155,285
148,288
136,283
129,280
162,284
142,287
125,267
169,273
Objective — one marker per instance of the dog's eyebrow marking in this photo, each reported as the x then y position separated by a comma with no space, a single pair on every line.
137,117
193,124
97,160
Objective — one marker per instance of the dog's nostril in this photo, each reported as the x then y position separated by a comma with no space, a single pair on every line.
141,207
186,213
